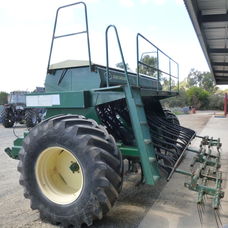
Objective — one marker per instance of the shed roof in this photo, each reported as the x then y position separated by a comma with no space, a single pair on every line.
210,20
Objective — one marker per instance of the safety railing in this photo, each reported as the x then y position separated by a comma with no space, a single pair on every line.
121,53
86,31
155,67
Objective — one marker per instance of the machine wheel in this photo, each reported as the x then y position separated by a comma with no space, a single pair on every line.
71,170
171,117
7,118
30,118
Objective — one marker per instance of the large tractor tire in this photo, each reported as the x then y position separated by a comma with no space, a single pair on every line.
7,118
31,118
71,170
171,117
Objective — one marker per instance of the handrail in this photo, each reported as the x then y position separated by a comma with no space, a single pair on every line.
70,34
144,64
121,53
156,68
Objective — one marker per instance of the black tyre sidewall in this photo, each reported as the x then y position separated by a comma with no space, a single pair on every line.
85,161
5,118
86,207
29,114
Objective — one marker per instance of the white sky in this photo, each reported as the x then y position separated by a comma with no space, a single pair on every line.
26,29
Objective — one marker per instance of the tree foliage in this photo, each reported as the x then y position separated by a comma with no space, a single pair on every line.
198,90
208,82
179,101
201,79
3,98
198,97
121,65
194,78
151,62
216,101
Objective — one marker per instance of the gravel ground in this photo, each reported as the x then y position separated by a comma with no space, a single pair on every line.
130,209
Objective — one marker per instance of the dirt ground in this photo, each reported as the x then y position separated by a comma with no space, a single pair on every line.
131,207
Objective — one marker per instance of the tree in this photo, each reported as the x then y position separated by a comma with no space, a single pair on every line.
208,82
201,79
198,97
178,101
121,65
150,61
216,101
194,78
3,98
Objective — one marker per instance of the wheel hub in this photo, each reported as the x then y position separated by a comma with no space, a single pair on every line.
59,175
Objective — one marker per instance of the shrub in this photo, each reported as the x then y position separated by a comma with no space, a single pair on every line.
198,97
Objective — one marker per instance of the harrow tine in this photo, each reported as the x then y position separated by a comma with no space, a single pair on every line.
220,207
170,141
217,218
199,210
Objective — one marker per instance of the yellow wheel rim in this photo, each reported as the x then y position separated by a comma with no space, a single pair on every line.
59,175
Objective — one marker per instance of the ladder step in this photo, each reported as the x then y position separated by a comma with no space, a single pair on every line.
152,160
147,141
156,178
142,134
139,104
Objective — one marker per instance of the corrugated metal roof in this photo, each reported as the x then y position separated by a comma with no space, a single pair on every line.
210,20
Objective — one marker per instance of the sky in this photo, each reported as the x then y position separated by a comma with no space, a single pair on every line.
26,28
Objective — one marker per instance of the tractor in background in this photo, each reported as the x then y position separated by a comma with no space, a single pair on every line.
17,112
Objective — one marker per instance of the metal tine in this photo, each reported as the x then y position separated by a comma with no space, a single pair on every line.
182,139
180,133
164,124
176,150
161,147
166,158
169,131
154,126
171,139
163,142
174,126
178,145
200,213
156,122
182,128
218,219
167,169
167,137
220,207
165,166
216,211
203,204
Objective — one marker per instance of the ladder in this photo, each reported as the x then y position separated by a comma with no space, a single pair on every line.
142,134
138,120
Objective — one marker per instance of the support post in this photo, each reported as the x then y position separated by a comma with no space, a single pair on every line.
225,104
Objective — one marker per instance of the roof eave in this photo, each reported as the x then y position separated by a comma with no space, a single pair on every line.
191,7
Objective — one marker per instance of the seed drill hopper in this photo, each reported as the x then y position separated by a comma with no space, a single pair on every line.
71,164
